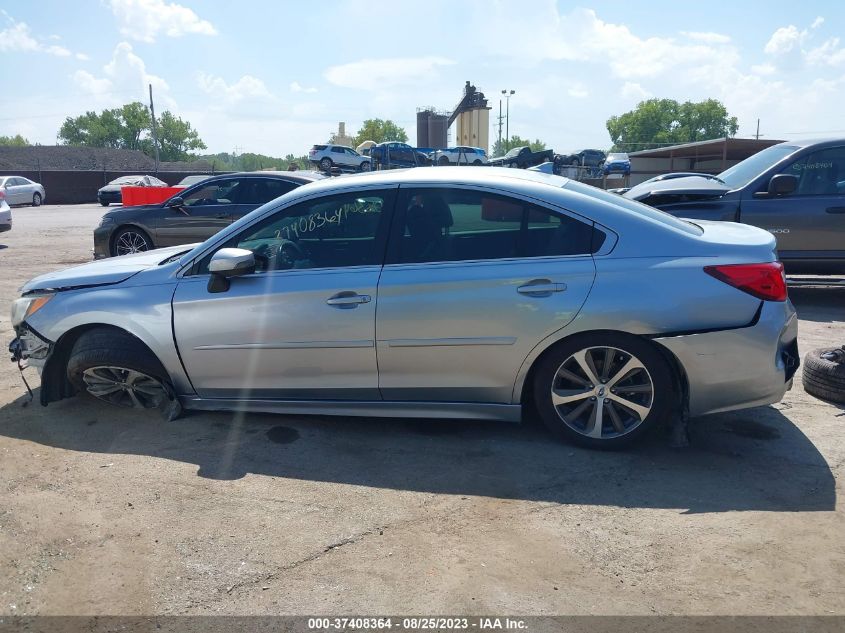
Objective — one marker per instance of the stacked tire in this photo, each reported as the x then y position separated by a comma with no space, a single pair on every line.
824,374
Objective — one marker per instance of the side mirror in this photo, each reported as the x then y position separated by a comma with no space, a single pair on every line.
227,263
176,202
782,184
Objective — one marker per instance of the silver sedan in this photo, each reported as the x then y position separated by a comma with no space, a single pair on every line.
449,292
20,190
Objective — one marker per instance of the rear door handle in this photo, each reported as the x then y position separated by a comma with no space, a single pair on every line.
540,288
347,300
835,209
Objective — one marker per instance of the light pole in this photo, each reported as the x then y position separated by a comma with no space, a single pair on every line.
508,94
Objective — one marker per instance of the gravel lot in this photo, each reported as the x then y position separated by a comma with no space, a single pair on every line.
110,512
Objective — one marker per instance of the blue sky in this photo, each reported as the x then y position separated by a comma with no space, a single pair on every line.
276,77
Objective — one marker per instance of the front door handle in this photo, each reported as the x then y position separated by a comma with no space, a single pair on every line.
347,300
835,209
540,288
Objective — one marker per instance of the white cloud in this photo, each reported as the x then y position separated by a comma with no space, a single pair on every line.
545,34
144,20
18,38
578,91
82,57
785,40
379,74
707,37
634,91
124,78
763,69
246,86
817,22
829,54
296,87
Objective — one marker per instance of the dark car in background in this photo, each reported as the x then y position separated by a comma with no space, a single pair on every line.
585,158
522,158
112,191
193,215
795,190
617,163
394,155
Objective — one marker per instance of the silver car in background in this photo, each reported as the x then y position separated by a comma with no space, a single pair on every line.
20,190
5,214
444,292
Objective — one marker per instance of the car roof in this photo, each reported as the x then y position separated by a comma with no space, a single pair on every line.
808,142
299,176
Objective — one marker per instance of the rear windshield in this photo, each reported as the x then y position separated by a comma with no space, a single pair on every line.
635,207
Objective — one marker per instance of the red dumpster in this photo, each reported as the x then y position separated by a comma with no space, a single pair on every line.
134,196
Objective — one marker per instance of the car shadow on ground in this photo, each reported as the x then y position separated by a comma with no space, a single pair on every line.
819,304
751,460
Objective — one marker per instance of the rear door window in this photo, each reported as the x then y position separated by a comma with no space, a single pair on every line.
447,225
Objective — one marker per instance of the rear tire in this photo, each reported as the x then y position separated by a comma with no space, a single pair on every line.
443,161
616,381
365,166
824,378
326,164
118,369
36,199
104,204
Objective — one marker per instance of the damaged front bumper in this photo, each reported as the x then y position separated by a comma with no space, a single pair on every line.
29,349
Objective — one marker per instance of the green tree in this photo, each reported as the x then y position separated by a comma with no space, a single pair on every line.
657,122
176,138
379,131
135,117
501,147
14,141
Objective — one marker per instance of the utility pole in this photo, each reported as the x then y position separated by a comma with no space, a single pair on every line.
500,124
757,136
155,131
508,94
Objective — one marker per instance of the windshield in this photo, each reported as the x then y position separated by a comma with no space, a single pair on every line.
513,152
636,207
125,180
617,157
742,173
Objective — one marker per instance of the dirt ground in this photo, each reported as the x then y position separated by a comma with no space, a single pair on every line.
110,512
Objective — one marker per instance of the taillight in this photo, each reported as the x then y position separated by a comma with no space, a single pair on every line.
2,195
764,281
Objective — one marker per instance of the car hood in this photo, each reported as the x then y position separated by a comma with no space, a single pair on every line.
691,185
104,271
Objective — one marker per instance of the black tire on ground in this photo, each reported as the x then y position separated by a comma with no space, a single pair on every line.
36,199
365,166
443,160
476,162
824,378
108,347
326,164
127,231
663,398
104,204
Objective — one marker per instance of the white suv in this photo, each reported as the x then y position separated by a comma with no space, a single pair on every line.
328,156
462,155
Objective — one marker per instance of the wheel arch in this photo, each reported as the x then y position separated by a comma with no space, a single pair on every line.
54,382
525,378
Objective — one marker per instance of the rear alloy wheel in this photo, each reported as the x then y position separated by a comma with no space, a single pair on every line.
603,391
365,166
326,164
129,241
36,199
